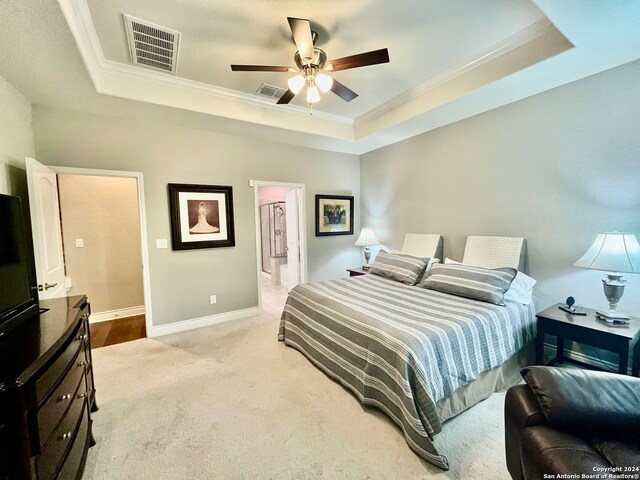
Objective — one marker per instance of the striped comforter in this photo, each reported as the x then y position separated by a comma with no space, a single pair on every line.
402,348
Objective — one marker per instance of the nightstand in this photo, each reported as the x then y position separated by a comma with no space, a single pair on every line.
589,331
357,271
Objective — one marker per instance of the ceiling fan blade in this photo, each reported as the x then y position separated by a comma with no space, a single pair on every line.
261,68
301,30
343,92
359,60
286,98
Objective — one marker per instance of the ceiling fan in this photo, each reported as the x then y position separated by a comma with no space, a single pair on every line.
312,64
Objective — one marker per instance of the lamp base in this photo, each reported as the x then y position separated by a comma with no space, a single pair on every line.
613,285
367,257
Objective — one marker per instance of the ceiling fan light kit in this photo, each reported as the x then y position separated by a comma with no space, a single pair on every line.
311,62
296,83
313,95
324,82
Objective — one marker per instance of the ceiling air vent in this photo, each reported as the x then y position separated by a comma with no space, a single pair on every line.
152,45
271,91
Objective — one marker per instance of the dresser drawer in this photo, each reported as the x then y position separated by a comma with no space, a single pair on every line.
77,454
52,411
56,449
49,379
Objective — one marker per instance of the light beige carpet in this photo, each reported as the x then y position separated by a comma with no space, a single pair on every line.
230,402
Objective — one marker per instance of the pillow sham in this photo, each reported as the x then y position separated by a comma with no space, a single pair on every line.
486,285
521,289
399,266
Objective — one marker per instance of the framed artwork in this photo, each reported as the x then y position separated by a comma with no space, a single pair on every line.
334,215
201,216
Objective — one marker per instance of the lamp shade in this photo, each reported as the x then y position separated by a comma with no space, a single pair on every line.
367,238
613,252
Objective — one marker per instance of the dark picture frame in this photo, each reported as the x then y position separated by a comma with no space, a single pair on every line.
334,215
201,216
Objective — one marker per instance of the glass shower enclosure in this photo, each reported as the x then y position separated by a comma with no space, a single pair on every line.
273,226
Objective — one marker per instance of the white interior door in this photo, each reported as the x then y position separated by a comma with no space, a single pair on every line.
45,223
293,238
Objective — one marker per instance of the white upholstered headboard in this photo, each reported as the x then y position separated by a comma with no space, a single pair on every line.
494,252
423,245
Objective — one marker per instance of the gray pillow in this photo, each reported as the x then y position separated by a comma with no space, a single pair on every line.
400,267
486,285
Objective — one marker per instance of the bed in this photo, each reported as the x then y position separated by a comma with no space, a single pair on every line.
421,356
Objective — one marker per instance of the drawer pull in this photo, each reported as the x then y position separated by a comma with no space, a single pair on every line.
82,364
65,397
65,436
82,395
82,337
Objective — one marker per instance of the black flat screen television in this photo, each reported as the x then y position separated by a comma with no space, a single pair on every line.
18,294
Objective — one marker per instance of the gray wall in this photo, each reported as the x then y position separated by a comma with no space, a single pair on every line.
555,168
16,139
181,282
16,142
103,212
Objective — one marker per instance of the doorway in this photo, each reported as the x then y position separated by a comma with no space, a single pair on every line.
102,239
280,241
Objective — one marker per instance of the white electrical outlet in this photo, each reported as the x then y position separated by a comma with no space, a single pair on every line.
161,243
79,243
213,299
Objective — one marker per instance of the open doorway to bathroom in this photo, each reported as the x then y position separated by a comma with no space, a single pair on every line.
280,240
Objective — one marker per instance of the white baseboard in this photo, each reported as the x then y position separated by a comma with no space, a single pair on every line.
176,327
114,314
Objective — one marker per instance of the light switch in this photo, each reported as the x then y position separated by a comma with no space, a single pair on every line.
79,243
161,243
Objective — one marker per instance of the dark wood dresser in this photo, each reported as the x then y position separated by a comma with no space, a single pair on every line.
47,393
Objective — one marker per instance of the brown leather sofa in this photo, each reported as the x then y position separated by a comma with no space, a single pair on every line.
572,422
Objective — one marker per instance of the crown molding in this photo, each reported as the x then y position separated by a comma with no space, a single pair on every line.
140,73
518,39
537,58
107,78
139,83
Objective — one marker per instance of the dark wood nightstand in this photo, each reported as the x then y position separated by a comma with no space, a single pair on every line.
589,331
357,271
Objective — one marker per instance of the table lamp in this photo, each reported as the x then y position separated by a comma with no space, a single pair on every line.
367,239
616,253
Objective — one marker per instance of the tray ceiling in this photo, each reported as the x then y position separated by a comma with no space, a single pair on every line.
449,61
424,38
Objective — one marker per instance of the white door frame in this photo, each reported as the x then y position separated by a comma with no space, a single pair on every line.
146,278
302,226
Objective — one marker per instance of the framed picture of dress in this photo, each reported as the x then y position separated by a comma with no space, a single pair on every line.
334,215
201,216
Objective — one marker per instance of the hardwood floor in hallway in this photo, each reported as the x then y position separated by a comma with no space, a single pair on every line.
119,330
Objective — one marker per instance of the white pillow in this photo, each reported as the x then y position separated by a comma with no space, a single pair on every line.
521,289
